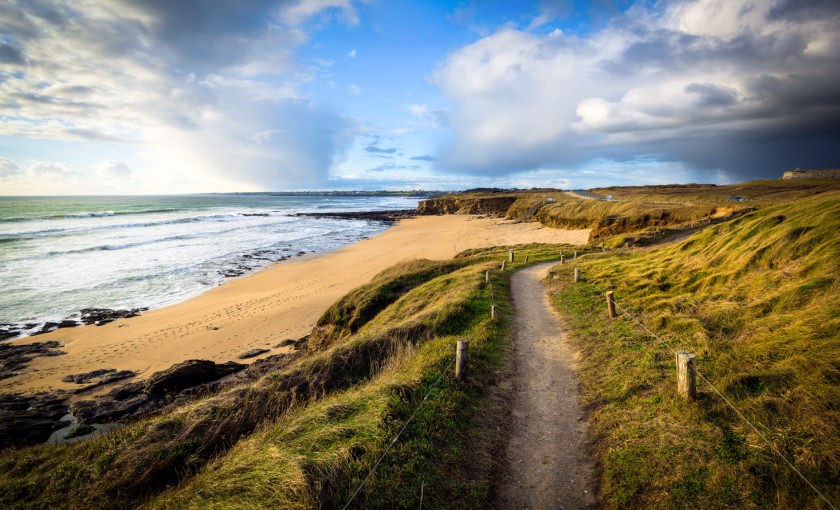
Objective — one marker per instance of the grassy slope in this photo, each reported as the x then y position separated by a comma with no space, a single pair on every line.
756,299
763,192
611,218
306,435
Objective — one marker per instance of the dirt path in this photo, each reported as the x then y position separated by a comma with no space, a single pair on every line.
548,462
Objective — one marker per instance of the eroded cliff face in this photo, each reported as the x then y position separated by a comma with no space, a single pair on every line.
495,206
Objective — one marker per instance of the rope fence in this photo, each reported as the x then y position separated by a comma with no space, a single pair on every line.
719,393
460,361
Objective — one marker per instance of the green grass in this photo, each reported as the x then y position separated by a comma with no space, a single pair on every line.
756,299
307,435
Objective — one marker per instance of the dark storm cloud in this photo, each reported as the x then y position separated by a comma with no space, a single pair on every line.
736,89
709,94
202,33
10,54
803,10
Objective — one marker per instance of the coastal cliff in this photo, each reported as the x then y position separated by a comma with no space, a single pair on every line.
454,204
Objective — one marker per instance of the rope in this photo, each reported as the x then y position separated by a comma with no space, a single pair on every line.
394,441
740,415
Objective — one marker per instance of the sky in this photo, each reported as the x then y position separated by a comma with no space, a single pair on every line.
190,96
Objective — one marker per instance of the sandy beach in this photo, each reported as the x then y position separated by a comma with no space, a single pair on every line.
264,308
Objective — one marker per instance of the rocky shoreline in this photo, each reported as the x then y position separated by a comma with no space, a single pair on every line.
32,418
389,217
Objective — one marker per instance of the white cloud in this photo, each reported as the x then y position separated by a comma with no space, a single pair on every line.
352,53
51,170
354,89
112,170
190,92
674,81
7,168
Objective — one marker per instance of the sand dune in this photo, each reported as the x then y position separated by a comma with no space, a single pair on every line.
262,309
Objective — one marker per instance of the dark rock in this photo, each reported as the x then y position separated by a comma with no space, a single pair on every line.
252,353
101,316
14,357
28,419
263,366
109,410
286,342
180,383
99,377
67,324
80,430
382,216
188,374
8,333
46,328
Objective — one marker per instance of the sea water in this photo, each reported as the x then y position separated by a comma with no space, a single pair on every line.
59,255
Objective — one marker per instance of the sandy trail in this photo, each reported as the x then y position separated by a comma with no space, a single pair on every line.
547,459
262,309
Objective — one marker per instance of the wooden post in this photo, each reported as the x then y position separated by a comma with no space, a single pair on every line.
487,277
510,255
503,265
461,358
575,257
577,274
611,304
493,312
603,248
526,259
686,375
561,258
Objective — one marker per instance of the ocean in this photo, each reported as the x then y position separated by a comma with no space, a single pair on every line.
59,255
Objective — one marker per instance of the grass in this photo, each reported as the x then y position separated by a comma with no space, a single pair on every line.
765,192
756,299
306,436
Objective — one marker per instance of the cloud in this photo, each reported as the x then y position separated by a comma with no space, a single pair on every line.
424,157
112,170
737,87
352,53
428,115
10,54
354,89
393,166
372,147
8,168
193,83
50,170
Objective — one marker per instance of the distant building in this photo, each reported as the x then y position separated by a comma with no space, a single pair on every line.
737,198
811,174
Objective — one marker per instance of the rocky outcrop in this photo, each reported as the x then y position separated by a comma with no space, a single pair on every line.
27,419
99,377
494,206
383,216
100,316
811,174
15,357
186,375
252,353
183,381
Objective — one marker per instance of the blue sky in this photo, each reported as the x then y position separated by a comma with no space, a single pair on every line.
123,96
